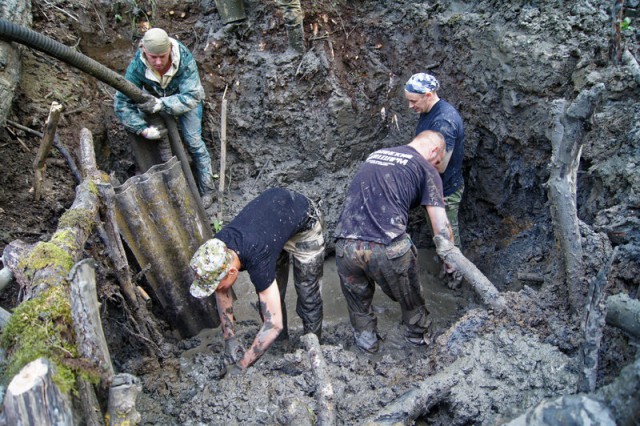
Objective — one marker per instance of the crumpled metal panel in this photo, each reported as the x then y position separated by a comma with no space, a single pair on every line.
160,221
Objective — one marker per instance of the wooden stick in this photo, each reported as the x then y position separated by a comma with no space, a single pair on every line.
325,396
223,149
56,143
480,283
85,313
39,164
624,312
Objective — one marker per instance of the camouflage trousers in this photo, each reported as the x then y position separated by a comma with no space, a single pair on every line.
292,12
362,264
306,251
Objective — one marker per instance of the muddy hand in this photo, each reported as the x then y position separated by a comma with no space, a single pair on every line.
151,106
154,132
233,351
233,370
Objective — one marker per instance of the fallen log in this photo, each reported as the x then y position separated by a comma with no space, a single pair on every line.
33,398
623,312
418,401
480,283
325,397
566,140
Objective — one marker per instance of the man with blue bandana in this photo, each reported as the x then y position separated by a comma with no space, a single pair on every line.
421,91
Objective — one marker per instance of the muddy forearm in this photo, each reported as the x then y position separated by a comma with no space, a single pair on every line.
265,338
224,304
272,315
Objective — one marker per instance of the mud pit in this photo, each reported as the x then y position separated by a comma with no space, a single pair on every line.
307,122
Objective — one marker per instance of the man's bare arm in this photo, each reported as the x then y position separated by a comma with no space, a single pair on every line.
271,328
440,222
224,303
442,165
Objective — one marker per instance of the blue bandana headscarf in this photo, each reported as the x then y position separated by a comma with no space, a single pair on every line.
422,83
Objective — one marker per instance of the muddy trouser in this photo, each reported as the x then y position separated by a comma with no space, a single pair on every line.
146,152
150,152
394,267
191,130
306,249
293,19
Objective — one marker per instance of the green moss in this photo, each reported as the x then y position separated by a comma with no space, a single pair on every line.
42,327
82,218
43,255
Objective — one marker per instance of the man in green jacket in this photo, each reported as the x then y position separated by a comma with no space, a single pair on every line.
166,70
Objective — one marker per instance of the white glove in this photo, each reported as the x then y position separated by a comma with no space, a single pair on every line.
153,132
151,106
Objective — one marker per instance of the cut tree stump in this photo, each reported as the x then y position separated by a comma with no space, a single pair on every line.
34,399
122,401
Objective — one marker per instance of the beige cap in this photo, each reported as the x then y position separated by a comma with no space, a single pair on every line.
156,41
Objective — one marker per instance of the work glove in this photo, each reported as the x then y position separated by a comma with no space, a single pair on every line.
154,132
233,370
151,105
233,351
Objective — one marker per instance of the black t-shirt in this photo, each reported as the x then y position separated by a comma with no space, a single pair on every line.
259,232
388,184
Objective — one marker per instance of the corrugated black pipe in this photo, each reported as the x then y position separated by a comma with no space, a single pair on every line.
12,32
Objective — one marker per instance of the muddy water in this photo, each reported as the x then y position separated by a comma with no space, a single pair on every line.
443,303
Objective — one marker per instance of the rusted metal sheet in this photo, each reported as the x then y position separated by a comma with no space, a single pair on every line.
160,221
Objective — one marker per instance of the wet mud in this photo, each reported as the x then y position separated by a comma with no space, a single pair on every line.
306,122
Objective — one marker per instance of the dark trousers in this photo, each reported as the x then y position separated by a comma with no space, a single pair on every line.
362,264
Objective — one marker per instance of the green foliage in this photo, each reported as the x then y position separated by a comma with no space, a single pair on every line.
42,327
625,25
217,225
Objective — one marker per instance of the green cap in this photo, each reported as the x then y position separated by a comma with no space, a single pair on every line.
156,41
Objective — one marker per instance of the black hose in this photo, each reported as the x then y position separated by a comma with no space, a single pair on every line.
178,150
13,32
